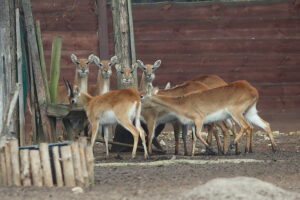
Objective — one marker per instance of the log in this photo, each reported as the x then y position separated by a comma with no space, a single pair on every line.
3,167
83,141
77,164
25,167
8,164
83,164
57,167
15,161
90,163
36,168
46,167
68,169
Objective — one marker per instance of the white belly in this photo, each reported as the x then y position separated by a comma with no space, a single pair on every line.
108,117
219,115
166,118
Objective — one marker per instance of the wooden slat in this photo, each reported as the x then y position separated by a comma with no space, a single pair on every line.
36,168
15,161
57,166
8,164
77,164
45,161
68,169
25,167
3,167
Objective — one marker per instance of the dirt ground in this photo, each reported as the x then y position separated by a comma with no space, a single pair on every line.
171,177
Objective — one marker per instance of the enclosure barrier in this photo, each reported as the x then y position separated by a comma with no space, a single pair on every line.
61,164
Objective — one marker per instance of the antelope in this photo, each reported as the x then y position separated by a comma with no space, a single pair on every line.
127,75
103,86
148,74
81,77
116,106
104,73
210,106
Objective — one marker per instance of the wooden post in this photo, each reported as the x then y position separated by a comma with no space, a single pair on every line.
83,164
8,164
90,163
45,160
36,168
40,87
122,38
67,166
102,29
57,166
77,164
25,167
3,167
15,161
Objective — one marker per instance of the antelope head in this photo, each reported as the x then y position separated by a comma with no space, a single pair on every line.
73,94
148,69
105,65
127,77
82,65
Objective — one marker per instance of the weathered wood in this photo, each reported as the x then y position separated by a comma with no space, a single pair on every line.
36,168
103,29
59,111
32,43
68,169
83,141
57,166
25,167
46,167
90,163
15,162
83,164
77,164
8,164
3,167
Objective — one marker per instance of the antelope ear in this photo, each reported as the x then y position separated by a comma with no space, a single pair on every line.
156,64
141,65
155,90
168,86
90,59
118,67
134,66
74,59
114,60
97,61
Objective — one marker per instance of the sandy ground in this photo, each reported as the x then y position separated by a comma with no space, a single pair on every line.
174,177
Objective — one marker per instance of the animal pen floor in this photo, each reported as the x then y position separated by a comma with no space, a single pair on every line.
170,177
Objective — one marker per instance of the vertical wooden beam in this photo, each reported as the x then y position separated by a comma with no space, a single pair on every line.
77,164
68,169
45,160
3,167
102,29
15,161
8,164
90,163
40,87
57,166
36,168
25,167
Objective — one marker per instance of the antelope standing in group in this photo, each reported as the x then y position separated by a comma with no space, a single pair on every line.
210,106
117,106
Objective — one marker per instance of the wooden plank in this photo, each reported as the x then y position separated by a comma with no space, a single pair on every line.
32,43
83,162
8,164
15,161
36,168
60,5
103,29
57,166
3,167
46,167
25,167
68,169
77,164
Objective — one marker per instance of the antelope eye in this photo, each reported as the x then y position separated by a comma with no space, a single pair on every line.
110,64
121,72
77,62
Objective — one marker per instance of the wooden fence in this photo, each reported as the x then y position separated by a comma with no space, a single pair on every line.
65,164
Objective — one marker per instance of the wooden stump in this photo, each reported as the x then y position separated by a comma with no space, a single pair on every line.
45,160
25,167
90,163
15,161
68,169
8,164
36,169
77,165
57,167
83,164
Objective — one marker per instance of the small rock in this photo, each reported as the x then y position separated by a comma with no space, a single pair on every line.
77,190
162,143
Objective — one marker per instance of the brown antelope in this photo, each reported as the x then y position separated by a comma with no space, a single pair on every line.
103,86
127,75
148,74
81,78
104,73
116,106
210,106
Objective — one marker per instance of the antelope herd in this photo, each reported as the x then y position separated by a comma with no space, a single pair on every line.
202,101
